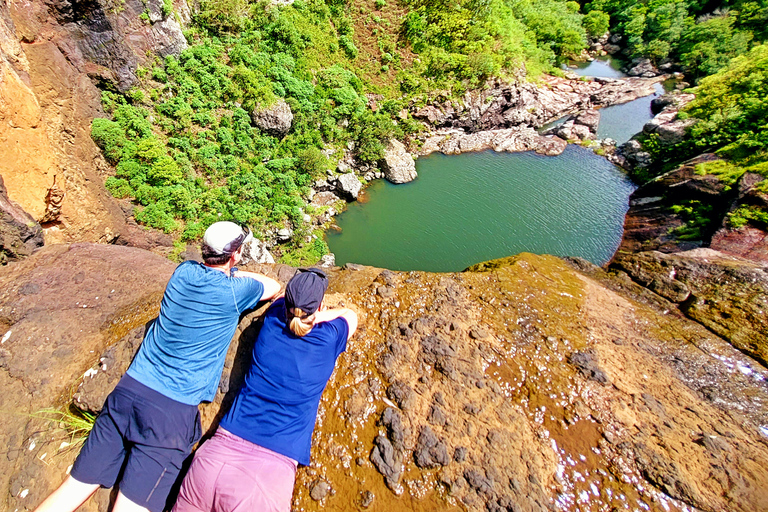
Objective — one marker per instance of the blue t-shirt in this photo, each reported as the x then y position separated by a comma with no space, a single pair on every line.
183,351
277,405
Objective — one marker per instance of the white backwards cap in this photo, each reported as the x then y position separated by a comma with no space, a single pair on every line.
226,237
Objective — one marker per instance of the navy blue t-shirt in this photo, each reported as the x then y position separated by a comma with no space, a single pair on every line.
277,405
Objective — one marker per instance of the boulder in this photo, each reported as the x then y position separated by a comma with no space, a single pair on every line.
284,235
398,164
275,120
635,155
349,186
20,234
257,252
643,68
589,118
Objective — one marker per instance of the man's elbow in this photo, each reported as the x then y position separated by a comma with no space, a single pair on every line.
271,288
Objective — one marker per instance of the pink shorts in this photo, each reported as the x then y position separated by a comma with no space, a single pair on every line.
230,474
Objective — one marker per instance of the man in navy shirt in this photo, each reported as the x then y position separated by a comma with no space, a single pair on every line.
150,422
250,463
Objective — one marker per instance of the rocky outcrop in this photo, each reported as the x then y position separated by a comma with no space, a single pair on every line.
728,295
20,235
643,68
581,126
60,309
453,142
398,164
503,105
275,120
455,392
110,41
665,126
669,129
652,224
49,54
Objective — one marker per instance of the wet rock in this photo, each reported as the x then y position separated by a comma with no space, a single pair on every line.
430,452
366,499
397,432
320,490
587,364
398,165
729,295
275,120
387,462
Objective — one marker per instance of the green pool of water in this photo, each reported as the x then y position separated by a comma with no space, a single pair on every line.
468,208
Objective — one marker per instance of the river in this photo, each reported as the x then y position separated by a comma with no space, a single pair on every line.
473,207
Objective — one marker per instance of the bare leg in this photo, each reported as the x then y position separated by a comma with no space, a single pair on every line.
70,495
123,504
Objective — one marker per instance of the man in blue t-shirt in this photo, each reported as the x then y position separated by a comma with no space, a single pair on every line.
150,422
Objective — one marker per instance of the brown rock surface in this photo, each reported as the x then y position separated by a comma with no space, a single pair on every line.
729,295
60,309
47,103
520,384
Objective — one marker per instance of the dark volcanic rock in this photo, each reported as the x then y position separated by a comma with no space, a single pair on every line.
586,362
430,452
20,234
387,462
116,40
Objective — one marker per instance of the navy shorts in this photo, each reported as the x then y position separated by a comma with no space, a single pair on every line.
141,437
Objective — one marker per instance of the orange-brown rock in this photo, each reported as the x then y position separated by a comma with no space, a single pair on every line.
520,384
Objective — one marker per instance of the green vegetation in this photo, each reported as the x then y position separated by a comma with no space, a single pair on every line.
187,152
75,422
731,109
702,36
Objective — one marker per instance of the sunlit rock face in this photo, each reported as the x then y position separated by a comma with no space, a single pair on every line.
527,383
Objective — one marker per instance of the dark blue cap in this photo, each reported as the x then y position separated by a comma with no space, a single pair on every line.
306,289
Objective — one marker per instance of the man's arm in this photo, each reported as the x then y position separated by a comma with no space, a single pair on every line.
271,287
332,314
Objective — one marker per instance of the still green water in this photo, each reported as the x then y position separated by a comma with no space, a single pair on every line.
468,208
